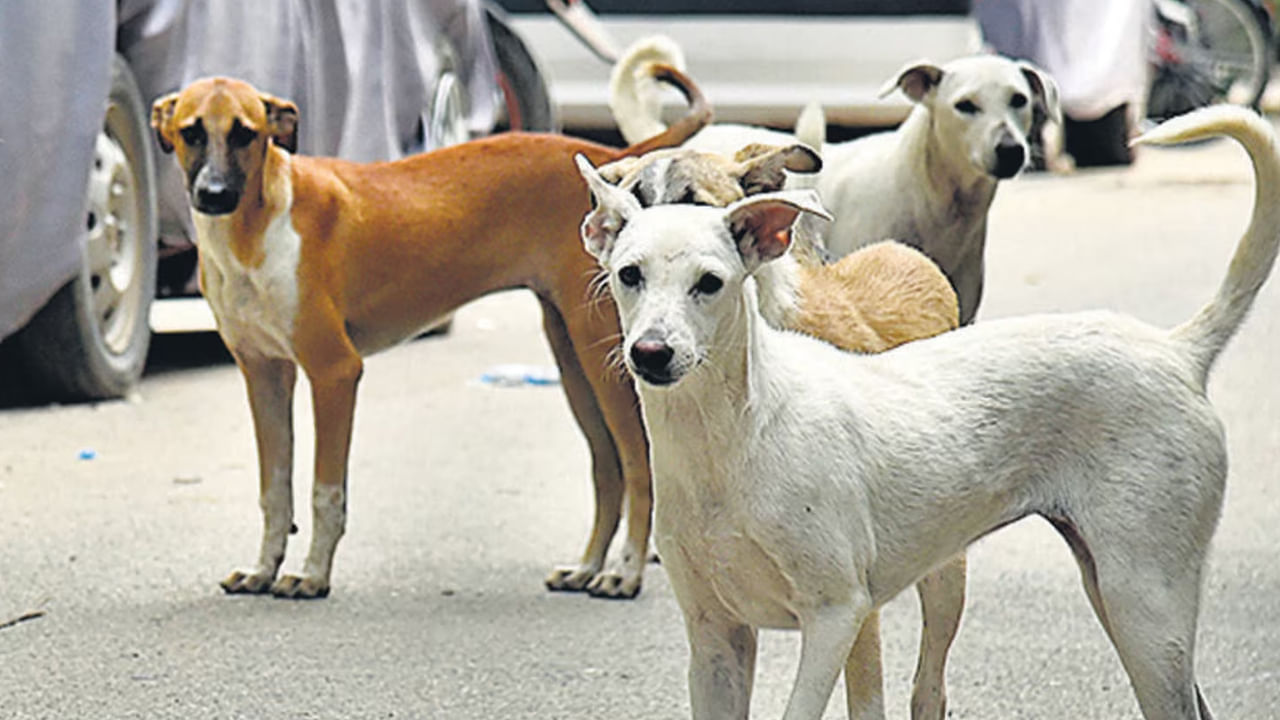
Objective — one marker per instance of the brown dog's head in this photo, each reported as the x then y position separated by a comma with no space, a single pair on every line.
221,129
683,175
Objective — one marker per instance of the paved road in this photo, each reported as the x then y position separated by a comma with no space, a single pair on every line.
464,495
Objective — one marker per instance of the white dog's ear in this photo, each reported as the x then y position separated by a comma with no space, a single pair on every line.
612,208
1044,89
761,224
915,80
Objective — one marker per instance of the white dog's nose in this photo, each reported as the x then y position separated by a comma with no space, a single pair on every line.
651,358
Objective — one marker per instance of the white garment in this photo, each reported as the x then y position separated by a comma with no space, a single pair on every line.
1094,49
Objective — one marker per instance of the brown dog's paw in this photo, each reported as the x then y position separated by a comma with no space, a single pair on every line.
612,586
241,582
299,587
571,578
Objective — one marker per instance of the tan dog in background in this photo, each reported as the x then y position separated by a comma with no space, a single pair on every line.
874,299
317,262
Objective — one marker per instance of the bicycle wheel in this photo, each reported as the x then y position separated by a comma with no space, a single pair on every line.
1234,48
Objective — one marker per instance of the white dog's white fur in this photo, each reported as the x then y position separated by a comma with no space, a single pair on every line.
928,184
797,486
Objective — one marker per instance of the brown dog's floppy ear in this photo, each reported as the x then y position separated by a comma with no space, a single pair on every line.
761,166
161,114
915,80
282,121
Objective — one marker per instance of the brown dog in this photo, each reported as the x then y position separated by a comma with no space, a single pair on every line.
871,300
318,262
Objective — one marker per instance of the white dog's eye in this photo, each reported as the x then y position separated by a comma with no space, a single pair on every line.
630,276
1018,100
708,284
968,107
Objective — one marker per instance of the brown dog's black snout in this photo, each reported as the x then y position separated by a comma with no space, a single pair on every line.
1010,156
216,199
651,359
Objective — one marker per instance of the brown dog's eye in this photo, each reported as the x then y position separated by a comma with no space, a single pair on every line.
240,136
193,135
1018,100
968,107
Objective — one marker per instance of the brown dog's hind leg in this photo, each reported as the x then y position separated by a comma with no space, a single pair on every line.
594,332
606,474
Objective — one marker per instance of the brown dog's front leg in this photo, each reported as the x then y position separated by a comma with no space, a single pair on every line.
270,384
333,397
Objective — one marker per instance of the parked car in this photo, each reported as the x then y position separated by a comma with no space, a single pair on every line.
757,61
95,221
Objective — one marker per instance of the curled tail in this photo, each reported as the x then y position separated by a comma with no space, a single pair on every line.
697,118
1208,331
634,97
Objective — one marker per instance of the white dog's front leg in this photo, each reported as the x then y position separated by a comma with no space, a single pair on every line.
826,639
722,662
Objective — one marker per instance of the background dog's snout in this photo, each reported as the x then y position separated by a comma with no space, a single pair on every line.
1010,157
651,357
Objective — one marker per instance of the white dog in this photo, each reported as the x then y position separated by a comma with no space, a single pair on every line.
798,486
928,184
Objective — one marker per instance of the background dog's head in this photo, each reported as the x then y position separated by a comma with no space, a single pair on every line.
220,129
698,177
676,271
982,108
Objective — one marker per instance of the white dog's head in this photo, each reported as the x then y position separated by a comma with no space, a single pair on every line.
982,108
677,271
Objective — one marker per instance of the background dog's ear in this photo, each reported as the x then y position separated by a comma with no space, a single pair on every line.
612,208
915,80
1044,89
761,166
161,114
282,119
761,224
614,172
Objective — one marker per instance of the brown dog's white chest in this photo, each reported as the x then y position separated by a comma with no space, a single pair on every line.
256,305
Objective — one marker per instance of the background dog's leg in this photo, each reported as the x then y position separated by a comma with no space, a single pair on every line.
826,639
941,604
333,399
863,673
606,473
595,336
270,384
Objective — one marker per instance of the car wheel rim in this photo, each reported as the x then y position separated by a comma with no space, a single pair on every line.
113,224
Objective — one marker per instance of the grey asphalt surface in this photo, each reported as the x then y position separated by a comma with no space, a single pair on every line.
464,495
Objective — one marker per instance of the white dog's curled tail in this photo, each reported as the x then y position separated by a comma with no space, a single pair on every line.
635,96
1208,332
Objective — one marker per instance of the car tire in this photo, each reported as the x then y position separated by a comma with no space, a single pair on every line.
525,95
90,340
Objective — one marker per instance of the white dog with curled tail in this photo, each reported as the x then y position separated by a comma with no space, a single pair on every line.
798,486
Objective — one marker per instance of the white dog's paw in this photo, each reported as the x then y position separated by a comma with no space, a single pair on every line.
615,586
300,587
570,578
245,582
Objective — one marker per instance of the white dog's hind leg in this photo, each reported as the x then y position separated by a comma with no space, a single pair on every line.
941,605
1147,601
